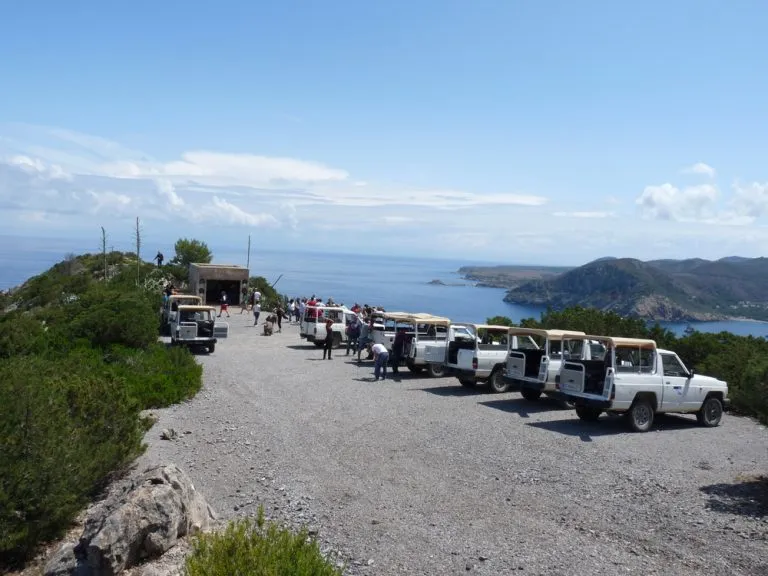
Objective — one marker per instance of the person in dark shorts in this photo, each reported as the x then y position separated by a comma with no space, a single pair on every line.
328,342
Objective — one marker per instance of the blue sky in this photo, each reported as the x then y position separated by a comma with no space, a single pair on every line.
546,132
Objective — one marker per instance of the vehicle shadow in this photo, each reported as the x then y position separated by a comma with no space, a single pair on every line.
522,407
748,496
446,391
610,425
302,347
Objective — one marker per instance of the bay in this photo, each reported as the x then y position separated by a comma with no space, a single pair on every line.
395,282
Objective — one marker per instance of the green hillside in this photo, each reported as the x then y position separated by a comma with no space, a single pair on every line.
677,290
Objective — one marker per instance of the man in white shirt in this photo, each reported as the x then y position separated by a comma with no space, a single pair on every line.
380,359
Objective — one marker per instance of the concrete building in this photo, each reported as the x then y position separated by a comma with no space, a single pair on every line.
208,281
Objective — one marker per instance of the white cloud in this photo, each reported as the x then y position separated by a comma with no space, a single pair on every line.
218,168
230,214
667,202
584,214
700,168
750,200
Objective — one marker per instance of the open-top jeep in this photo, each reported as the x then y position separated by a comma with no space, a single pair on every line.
639,380
196,328
476,353
537,369
171,307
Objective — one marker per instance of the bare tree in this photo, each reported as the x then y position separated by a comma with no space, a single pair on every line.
138,252
104,250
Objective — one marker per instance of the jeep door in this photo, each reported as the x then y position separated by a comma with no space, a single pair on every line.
676,382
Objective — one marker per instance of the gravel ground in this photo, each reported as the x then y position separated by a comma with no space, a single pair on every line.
421,476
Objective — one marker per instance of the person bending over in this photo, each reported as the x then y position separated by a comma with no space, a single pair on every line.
380,358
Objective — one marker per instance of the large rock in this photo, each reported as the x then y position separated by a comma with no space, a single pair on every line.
139,522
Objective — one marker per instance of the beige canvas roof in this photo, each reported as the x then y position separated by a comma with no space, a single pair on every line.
194,308
419,317
482,326
548,334
628,342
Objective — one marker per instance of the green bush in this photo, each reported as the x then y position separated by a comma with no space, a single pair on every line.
63,432
158,376
260,549
107,317
21,334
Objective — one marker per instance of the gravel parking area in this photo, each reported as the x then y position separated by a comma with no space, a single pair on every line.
421,476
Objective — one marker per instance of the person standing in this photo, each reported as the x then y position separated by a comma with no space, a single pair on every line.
353,334
397,350
279,312
256,312
159,257
224,304
380,358
328,343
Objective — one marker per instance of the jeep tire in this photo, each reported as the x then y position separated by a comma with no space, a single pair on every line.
496,382
640,415
588,413
436,370
710,413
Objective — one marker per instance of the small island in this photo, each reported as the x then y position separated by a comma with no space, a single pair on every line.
438,282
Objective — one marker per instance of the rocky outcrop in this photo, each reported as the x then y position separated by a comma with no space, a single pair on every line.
137,522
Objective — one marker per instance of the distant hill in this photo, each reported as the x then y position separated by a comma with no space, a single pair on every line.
680,290
508,276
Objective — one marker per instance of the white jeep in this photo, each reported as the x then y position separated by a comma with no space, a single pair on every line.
476,353
315,326
637,379
196,327
171,306
536,370
427,333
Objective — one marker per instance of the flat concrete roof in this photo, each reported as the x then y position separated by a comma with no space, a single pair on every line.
218,271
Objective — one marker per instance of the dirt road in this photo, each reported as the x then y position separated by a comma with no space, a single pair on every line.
422,476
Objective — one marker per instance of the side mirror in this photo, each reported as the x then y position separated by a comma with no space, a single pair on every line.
691,373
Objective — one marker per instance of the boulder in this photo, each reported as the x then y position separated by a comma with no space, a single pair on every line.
137,523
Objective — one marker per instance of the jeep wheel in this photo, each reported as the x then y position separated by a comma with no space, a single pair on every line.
530,394
436,370
467,383
319,344
497,384
710,413
588,414
211,348
337,340
640,415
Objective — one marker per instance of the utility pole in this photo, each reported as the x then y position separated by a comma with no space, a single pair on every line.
104,250
248,261
138,253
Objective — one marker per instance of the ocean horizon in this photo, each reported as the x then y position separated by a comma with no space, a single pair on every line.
394,282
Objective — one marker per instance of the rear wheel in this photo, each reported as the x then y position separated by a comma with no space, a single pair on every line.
436,370
319,344
496,383
640,415
467,383
711,412
530,394
588,414
336,340
211,348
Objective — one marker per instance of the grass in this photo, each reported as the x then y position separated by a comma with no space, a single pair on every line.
260,548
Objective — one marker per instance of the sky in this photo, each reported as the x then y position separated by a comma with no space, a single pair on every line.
546,132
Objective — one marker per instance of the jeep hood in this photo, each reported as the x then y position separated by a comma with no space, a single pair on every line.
701,380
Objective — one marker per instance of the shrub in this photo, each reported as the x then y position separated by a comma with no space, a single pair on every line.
156,377
63,432
107,317
260,549
20,335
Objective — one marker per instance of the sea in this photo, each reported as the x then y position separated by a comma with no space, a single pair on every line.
394,282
